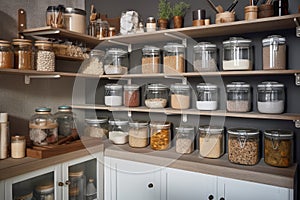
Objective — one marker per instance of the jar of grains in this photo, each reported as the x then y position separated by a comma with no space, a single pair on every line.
18,146
113,95
44,56
174,58
45,191
278,147
150,60
138,134
116,61
77,185
270,97
156,96
160,135
118,131
274,52
238,97
211,141
207,96
6,55
180,97
23,55
185,136
65,120
96,127
205,57
243,146
131,95
94,65
43,127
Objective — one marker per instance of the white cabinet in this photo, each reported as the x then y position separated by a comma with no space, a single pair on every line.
2,190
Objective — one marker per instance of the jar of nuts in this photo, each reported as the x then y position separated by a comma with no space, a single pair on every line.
44,56
138,134
23,55
185,136
211,141
238,97
174,58
6,55
160,135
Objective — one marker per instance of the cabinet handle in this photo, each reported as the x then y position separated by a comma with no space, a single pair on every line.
222,198
60,184
211,197
150,185
68,182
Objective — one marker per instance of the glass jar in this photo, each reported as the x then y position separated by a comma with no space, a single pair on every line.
44,56
6,55
77,185
65,120
278,148
237,54
92,28
55,16
174,58
156,96
131,95
111,31
205,57
102,29
180,97
44,192
150,60
138,134
238,97
151,24
211,141
23,55
96,127
113,95
207,96
185,136
274,52
118,131
18,146
116,61
160,135
243,146
270,97
94,65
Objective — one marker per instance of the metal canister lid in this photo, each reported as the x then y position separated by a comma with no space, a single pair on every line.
43,109
174,47
185,129
150,20
204,46
161,125
118,122
236,86
236,41
44,43
211,129
137,124
268,85
64,108
273,39
279,134
97,121
179,86
150,49
75,11
243,131
157,86
116,51
206,86
131,87
113,86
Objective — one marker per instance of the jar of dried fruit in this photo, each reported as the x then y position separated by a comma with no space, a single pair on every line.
185,136
160,135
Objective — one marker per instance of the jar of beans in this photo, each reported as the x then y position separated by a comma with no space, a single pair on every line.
23,55
44,56
185,136
6,55
174,58
238,97
160,135
131,96
150,60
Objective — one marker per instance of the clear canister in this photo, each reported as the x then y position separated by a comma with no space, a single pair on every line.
131,95
160,135
211,141
94,65
65,120
207,96
205,57
150,60
270,97
243,146
174,58
96,127
274,52
55,16
116,61
6,55
180,97
151,24
45,191
185,136
77,187
138,134
102,29
23,55
278,147
238,97
18,146
113,95
156,96
44,56
118,131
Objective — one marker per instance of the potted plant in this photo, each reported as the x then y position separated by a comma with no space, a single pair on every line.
164,13
178,12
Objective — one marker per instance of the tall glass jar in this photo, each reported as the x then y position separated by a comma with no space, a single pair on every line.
96,127
43,127
150,60
45,191
205,57
160,135
116,61
77,187
6,55
131,95
44,56
118,131
238,97
65,120
211,141
156,96
180,97
138,134
113,95
270,97
174,58
185,136
102,29
207,96
23,55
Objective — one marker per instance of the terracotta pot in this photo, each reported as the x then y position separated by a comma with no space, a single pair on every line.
163,23
178,21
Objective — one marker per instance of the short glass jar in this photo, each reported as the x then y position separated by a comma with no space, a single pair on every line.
211,141
18,146
116,61
23,55
150,60
96,127
174,58
207,96
77,185
237,54
44,56
113,95
205,57
151,24
180,96
65,120
44,192
94,65
118,131
102,29
243,146
138,134
278,147
156,96
185,136
160,135
131,95
238,97
270,97
6,55
111,31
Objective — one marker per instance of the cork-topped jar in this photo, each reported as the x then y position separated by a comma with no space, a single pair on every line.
6,55
23,55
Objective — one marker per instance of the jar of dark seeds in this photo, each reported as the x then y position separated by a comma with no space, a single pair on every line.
44,56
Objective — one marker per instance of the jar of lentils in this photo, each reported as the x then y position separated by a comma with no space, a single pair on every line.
23,55
44,56
6,55
185,136
160,135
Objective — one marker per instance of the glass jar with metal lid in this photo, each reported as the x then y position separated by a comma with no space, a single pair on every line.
75,20
278,147
150,60
23,55
156,96
205,57
243,146
17,146
138,134
6,55
237,54
43,127
118,131
65,120
151,24
174,58
113,95
207,96
94,65
96,127
45,191
160,135
211,141
44,56
238,97
131,95
180,97
274,52
116,61
270,97
102,29
77,185
185,136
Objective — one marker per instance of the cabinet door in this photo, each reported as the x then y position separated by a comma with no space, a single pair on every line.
131,180
181,184
232,189
2,190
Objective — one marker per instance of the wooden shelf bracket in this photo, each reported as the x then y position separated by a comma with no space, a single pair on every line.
297,80
297,27
28,77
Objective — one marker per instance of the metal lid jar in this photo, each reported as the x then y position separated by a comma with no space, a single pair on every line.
94,64
6,55
118,131
205,57
207,96
74,20
23,56
238,97
185,136
151,24
174,58
44,56
237,54
55,16
113,95
160,135
44,192
96,127
116,61
211,141
180,96
150,60
138,134
65,120
270,97
131,95
156,96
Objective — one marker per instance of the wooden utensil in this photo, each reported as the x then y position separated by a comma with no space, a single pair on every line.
74,136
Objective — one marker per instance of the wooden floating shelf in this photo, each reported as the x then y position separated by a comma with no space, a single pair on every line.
70,58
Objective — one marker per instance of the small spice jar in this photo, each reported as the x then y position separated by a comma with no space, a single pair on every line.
102,29
251,12
238,97
44,56
156,96
6,55
96,127
151,24
23,55
116,61
274,52
44,192
180,96
111,31
138,134
199,17
270,97
174,58
160,135
243,146
185,136
205,57
113,95
211,141
131,95
118,131
278,148
18,146
77,184
207,96
150,60
65,120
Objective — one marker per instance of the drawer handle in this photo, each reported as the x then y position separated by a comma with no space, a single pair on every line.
150,185
210,197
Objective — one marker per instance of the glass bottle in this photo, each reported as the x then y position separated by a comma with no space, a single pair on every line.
160,135
65,120
180,97
211,141
138,134
185,136
96,127
205,57
116,61
207,96
150,60
156,96
113,95
91,190
6,55
174,58
238,97
23,55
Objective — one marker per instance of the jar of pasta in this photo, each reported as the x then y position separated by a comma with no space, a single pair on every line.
160,135
138,134
211,141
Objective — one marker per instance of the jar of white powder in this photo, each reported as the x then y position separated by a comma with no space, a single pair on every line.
113,95
207,96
